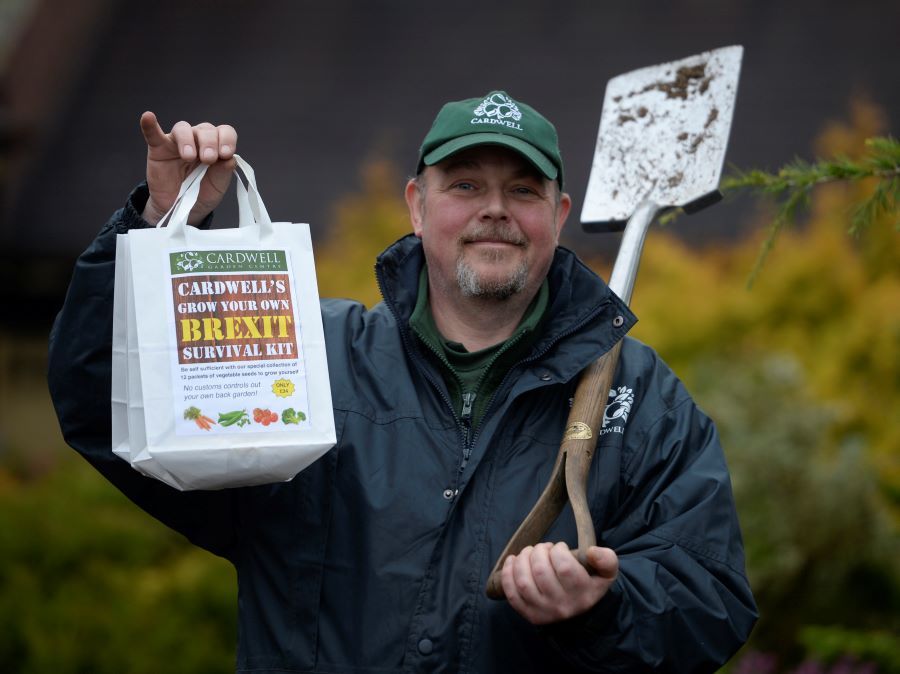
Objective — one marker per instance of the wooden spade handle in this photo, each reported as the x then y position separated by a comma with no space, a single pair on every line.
570,472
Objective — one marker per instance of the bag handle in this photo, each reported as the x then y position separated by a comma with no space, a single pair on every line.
250,204
177,211
252,213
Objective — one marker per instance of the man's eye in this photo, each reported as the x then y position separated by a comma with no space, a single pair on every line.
463,186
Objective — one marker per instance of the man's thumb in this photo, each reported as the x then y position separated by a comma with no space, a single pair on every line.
604,561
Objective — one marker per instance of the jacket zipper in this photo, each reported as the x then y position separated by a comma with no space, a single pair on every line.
467,407
466,418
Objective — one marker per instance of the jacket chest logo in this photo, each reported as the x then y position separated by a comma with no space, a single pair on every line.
617,410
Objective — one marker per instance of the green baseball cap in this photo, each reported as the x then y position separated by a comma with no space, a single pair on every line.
495,119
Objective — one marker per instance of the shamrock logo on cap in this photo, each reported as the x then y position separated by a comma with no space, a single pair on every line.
500,106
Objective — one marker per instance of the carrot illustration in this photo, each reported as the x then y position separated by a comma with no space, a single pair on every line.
194,414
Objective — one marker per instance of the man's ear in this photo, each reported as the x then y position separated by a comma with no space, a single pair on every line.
414,203
562,212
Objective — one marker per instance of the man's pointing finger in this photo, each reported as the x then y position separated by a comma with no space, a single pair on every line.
150,128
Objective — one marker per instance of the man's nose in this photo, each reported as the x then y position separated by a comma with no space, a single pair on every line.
495,206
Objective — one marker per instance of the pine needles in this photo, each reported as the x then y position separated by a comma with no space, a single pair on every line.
792,186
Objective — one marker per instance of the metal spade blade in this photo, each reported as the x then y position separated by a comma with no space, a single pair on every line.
663,134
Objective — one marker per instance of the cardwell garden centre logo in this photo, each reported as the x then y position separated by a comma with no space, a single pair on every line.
620,401
498,109
211,261
187,261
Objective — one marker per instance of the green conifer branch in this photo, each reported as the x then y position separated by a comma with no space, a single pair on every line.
792,186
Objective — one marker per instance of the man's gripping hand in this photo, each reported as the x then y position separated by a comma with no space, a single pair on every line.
172,156
546,583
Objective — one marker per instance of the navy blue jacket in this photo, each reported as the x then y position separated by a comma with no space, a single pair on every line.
374,559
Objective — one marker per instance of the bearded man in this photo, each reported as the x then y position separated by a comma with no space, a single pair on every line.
450,398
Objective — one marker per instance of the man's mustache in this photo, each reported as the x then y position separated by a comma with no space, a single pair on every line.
488,233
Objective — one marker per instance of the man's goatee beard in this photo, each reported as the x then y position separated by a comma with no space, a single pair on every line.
501,289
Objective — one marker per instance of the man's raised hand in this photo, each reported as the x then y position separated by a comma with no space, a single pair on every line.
172,156
546,583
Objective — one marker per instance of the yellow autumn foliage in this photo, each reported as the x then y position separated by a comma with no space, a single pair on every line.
364,223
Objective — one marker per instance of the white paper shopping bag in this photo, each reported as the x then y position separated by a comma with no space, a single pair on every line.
219,371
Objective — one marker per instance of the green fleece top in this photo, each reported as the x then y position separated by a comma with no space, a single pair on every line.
472,376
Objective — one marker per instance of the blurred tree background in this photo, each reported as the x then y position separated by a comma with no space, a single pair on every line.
802,374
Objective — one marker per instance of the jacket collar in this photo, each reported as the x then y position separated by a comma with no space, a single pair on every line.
582,307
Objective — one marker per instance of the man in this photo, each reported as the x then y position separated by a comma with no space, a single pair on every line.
450,398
